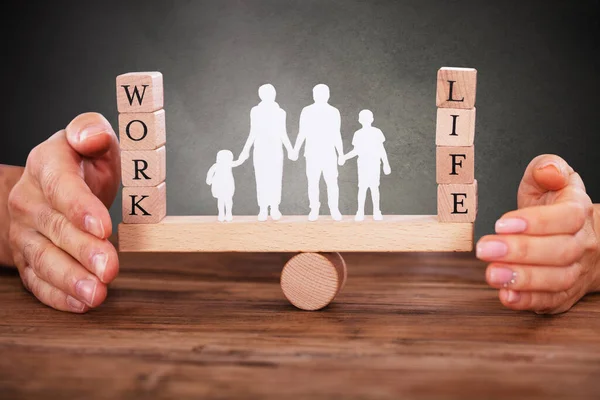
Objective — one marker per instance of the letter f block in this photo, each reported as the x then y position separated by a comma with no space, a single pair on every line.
142,136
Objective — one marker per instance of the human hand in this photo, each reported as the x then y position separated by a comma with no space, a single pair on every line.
545,255
59,218
387,169
243,157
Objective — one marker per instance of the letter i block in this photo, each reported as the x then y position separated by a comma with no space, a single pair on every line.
457,202
142,131
455,164
456,88
143,168
455,127
144,205
140,92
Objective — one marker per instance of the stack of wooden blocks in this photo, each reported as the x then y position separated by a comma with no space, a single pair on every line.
455,150
143,156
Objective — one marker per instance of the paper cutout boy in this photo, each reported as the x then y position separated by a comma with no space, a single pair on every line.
220,178
368,146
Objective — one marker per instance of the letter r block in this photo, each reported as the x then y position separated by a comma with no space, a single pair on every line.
144,205
456,88
455,127
142,168
455,164
140,92
457,202
142,131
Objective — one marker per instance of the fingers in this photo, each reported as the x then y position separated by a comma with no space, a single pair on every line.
533,278
58,269
555,219
556,250
539,302
50,295
60,179
91,135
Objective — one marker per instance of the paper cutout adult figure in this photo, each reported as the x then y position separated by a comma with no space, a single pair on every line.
320,125
268,133
220,178
368,146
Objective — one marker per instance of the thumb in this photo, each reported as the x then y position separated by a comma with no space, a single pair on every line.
93,138
545,173
91,135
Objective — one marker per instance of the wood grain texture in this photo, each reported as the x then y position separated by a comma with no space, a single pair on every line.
142,131
296,234
455,127
147,100
144,168
457,203
464,88
455,164
216,326
144,205
310,281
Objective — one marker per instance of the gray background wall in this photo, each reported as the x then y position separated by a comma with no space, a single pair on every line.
537,68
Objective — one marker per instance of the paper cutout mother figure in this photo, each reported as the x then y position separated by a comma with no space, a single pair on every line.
267,134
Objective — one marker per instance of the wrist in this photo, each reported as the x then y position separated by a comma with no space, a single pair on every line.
596,286
9,176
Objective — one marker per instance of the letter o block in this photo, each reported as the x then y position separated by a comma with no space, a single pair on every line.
144,205
142,131
140,92
457,202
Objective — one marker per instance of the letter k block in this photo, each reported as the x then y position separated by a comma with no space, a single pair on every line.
144,205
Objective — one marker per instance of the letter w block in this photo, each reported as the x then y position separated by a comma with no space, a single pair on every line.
140,92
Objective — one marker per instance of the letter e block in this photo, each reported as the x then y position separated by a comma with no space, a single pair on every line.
142,131
144,205
455,127
457,202
456,87
142,168
140,92
455,164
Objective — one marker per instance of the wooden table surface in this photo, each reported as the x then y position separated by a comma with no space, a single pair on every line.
414,326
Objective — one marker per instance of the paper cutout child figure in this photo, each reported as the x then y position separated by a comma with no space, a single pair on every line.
220,178
368,146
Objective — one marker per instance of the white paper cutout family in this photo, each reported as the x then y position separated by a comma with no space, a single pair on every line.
320,133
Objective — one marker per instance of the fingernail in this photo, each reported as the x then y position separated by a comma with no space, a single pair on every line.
513,297
94,226
75,304
551,164
502,276
86,289
491,249
511,225
89,131
99,262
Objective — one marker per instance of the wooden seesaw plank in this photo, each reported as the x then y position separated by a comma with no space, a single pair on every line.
396,233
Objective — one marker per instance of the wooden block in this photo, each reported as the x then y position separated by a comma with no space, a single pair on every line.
140,92
142,131
455,127
396,233
310,281
455,164
456,87
144,205
457,202
143,168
